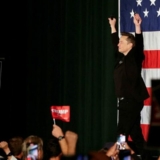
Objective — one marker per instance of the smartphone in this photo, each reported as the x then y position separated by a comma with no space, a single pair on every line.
32,152
120,140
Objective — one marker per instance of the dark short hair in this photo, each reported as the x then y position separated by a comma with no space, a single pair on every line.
130,37
15,145
53,148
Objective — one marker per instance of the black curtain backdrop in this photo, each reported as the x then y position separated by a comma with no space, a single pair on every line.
66,58
13,69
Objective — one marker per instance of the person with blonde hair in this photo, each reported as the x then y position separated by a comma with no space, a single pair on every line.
32,148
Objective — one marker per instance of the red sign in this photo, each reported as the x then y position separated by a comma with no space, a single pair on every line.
61,113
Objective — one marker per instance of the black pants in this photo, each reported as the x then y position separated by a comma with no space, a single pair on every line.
129,122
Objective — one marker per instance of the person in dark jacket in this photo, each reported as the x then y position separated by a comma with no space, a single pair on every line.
130,88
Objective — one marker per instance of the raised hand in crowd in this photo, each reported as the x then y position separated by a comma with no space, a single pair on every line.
58,133
5,147
113,152
66,141
71,138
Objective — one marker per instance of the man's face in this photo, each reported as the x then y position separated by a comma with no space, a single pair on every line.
124,46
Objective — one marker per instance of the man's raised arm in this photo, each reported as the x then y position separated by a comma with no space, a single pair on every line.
112,23
137,21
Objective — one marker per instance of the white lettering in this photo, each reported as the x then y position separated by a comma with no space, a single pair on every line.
63,111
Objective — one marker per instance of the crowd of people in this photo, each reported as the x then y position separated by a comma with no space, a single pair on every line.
61,147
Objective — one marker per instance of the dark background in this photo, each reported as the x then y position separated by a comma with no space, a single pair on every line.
13,69
58,53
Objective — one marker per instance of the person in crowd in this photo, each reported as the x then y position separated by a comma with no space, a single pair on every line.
15,145
32,148
63,146
98,155
9,156
114,153
53,149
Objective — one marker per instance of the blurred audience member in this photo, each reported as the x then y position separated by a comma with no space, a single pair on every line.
4,146
32,148
15,145
53,150
114,153
65,142
98,155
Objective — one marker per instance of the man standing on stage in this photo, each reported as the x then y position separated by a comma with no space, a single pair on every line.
129,85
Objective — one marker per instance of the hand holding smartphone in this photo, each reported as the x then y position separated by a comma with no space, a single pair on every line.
120,141
32,152
124,153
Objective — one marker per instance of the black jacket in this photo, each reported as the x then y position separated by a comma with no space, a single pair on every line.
127,71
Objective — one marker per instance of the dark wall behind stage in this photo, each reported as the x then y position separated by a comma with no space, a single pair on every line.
13,71
58,53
